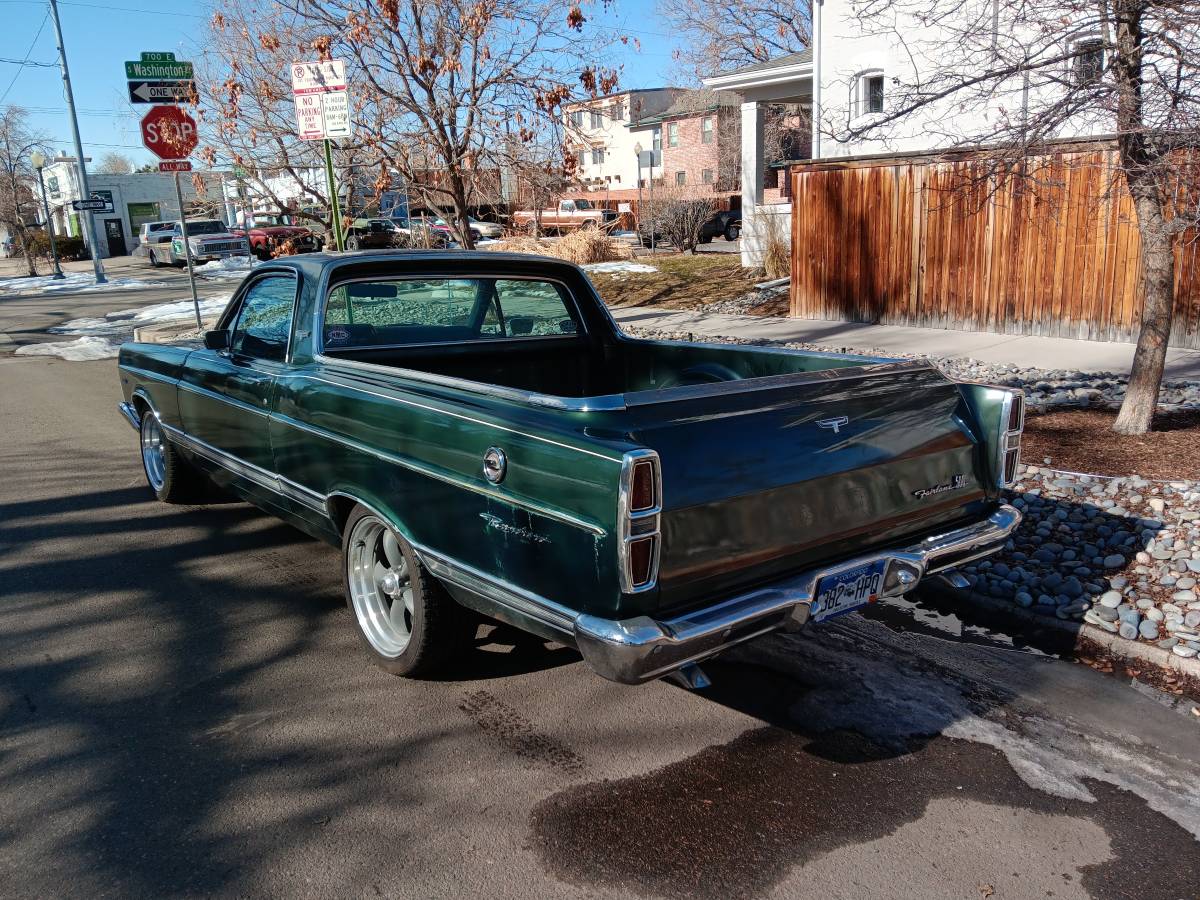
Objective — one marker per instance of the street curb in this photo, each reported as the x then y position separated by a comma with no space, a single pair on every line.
1087,637
166,332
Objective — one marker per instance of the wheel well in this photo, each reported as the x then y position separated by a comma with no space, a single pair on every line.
141,404
340,507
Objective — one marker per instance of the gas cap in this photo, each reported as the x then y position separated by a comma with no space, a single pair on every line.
495,465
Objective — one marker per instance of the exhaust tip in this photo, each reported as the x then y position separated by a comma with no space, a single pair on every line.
690,676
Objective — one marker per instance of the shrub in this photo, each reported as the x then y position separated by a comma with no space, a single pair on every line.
68,247
777,251
680,221
586,245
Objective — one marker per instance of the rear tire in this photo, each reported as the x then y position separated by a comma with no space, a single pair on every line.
733,231
352,242
405,618
154,263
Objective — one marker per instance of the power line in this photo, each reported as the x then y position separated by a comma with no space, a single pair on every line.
147,12
28,53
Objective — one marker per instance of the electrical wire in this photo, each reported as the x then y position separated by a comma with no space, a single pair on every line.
28,53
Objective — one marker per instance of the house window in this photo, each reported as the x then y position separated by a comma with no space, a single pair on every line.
577,118
680,179
597,156
706,176
582,155
656,139
597,120
1088,64
706,130
618,111
673,134
874,93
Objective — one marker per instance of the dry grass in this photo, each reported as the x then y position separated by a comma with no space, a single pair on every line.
587,245
681,282
777,253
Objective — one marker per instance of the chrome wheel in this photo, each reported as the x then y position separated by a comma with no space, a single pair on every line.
380,586
153,450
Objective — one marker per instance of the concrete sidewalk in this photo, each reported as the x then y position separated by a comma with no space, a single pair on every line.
1015,349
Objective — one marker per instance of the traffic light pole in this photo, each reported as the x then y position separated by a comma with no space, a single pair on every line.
89,224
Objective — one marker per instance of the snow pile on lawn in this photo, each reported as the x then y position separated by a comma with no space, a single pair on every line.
232,268
102,337
622,266
74,282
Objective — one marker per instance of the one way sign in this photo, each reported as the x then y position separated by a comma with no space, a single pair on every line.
162,91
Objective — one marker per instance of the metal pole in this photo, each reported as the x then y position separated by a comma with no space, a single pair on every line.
58,273
335,209
653,211
187,253
637,220
814,127
88,222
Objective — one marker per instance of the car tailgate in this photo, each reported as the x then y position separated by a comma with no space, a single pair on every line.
765,476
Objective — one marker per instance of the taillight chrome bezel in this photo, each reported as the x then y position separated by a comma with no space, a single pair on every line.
634,525
1012,423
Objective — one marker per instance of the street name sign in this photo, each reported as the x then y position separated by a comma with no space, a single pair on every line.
162,91
169,133
175,165
158,70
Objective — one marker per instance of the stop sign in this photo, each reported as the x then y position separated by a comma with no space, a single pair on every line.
169,133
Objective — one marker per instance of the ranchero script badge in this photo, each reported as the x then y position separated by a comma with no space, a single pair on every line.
956,481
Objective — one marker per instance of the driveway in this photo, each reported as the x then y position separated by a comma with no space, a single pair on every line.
184,709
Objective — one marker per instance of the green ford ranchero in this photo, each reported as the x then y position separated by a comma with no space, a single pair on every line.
476,434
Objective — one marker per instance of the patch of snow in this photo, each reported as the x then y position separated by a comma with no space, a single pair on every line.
232,268
82,349
73,282
122,322
621,265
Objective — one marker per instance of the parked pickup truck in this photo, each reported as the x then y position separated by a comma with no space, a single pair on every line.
568,215
209,239
475,433
269,232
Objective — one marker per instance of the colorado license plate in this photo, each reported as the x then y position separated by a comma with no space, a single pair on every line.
847,590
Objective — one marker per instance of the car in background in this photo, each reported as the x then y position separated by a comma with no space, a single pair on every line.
269,232
726,223
208,240
479,228
381,234
152,236
567,215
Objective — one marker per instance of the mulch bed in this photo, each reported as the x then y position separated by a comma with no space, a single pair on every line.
1083,441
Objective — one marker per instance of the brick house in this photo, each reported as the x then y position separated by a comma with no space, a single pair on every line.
698,134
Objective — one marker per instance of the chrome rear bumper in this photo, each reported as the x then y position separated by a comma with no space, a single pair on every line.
640,649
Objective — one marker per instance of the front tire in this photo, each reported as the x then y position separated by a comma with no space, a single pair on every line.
170,476
406,620
733,231
352,243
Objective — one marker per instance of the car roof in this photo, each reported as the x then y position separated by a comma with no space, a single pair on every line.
465,263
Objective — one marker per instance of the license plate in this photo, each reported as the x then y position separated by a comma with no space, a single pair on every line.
847,590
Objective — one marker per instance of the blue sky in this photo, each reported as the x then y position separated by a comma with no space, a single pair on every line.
100,38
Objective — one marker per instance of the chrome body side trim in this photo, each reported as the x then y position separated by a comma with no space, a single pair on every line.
224,398
642,648
131,415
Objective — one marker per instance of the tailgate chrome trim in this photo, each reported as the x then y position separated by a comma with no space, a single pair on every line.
642,648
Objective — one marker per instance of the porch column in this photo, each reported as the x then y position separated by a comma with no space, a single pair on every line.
753,169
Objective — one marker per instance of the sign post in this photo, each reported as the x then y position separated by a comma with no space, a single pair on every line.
187,253
323,112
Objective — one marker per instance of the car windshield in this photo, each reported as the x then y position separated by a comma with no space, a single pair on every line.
206,226
160,226
400,312
269,220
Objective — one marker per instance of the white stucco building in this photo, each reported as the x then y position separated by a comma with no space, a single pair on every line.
603,134
131,200
850,76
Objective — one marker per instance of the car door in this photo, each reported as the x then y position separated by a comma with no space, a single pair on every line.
225,396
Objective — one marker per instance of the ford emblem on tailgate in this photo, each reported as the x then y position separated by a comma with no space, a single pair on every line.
835,423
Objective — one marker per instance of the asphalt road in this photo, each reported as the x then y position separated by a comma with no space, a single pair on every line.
184,710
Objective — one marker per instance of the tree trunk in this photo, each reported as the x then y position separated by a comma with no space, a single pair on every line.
1158,284
30,260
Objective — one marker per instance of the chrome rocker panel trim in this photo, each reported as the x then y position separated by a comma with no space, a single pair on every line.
641,649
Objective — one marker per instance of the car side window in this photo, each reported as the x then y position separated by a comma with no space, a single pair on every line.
265,320
533,307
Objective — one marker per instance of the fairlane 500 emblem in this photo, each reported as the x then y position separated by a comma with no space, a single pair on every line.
835,423
955,482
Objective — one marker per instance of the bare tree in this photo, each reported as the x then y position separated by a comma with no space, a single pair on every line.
1014,76
716,35
18,202
435,87
114,164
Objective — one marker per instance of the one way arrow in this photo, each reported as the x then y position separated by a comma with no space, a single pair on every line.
161,91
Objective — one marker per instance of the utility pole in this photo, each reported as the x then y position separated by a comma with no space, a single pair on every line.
89,224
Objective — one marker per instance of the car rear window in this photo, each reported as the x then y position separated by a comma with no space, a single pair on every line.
405,312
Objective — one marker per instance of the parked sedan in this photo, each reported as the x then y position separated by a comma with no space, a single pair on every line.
479,228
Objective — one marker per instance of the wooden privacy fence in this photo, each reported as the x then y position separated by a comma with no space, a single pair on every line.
942,243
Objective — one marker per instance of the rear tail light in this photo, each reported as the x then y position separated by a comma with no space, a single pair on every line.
1013,419
639,513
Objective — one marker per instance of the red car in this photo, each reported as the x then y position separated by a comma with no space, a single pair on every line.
269,231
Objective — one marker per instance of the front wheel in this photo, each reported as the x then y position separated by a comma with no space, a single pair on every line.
169,475
408,622
352,242
733,231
